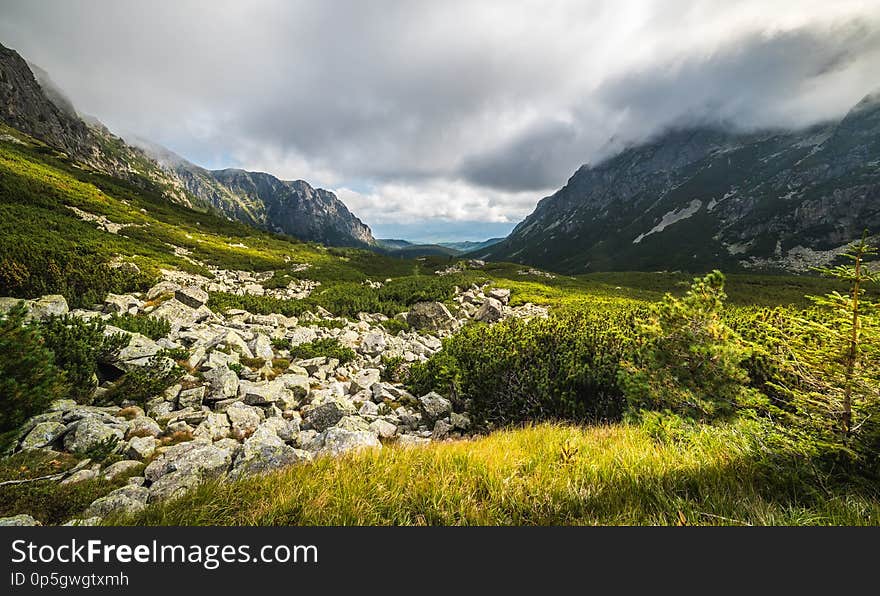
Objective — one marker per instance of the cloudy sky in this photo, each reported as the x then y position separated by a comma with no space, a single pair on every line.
443,120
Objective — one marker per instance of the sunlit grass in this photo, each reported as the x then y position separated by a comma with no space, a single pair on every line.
545,475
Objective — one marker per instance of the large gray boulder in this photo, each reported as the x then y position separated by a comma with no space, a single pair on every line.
337,441
325,415
43,434
430,315
435,406
141,447
244,419
191,296
261,393
265,451
19,520
223,383
215,427
364,379
491,311
87,433
126,500
46,306
184,466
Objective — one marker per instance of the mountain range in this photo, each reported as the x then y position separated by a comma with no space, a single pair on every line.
690,198
31,103
704,197
407,249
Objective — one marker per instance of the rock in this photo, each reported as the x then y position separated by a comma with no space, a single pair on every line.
218,359
143,426
297,384
261,393
412,441
364,379
441,430
121,467
336,441
235,343
502,295
214,427
369,409
184,465
301,335
162,288
83,522
353,423
460,421
160,408
191,296
191,398
435,406
139,350
46,306
126,500
244,419
88,433
383,428
141,447
265,451
80,476
19,520
373,343
173,485
286,430
62,405
491,311
430,315
223,383
262,347
43,434
324,416
179,314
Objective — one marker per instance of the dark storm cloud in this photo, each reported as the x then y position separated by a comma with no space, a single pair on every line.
783,80
455,110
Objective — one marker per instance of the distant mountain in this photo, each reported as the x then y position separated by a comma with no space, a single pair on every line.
31,103
705,197
262,200
407,250
468,246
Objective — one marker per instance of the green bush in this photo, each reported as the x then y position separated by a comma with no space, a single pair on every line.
29,379
328,347
78,346
563,367
394,368
687,359
152,327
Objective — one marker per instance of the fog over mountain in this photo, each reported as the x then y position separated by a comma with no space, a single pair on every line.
444,115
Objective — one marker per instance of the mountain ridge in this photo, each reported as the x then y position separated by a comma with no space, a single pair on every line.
704,197
32,104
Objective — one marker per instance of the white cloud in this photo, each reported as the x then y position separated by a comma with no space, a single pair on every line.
455,110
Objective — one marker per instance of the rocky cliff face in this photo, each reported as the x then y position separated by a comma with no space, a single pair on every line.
703,197
262,200
31,103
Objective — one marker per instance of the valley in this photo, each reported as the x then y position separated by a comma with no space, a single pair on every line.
185,346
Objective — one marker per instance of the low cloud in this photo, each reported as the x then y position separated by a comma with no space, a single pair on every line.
453,111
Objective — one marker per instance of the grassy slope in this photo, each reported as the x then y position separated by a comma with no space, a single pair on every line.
547,475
